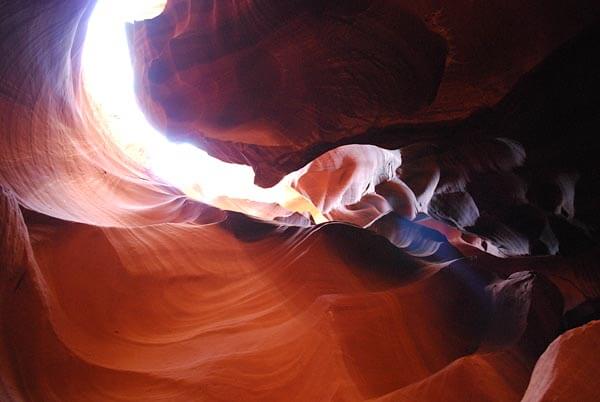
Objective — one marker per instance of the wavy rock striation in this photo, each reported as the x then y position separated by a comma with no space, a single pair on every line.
462,260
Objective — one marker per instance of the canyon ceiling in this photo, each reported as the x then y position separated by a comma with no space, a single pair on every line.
448,146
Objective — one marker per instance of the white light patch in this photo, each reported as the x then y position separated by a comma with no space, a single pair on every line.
108,79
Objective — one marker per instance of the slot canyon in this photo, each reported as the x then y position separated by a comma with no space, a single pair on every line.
299,200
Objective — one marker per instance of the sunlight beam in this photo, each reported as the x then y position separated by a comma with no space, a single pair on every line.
109,81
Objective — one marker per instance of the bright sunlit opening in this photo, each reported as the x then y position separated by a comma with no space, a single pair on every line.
108,79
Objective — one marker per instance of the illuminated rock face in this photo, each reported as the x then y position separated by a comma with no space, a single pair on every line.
114,286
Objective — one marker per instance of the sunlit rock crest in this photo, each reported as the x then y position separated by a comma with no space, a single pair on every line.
462,260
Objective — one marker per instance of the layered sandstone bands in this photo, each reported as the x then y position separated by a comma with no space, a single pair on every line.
114,286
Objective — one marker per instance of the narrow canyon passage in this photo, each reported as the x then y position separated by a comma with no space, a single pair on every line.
310,201
108,81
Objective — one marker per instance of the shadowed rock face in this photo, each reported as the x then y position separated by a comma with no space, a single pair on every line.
287,72
329,71
451,145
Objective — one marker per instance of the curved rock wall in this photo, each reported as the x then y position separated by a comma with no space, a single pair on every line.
116,287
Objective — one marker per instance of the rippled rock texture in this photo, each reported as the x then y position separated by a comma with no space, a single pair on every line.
450,144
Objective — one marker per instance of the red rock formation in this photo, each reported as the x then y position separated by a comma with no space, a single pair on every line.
290,72
115,286
554,376
258,82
